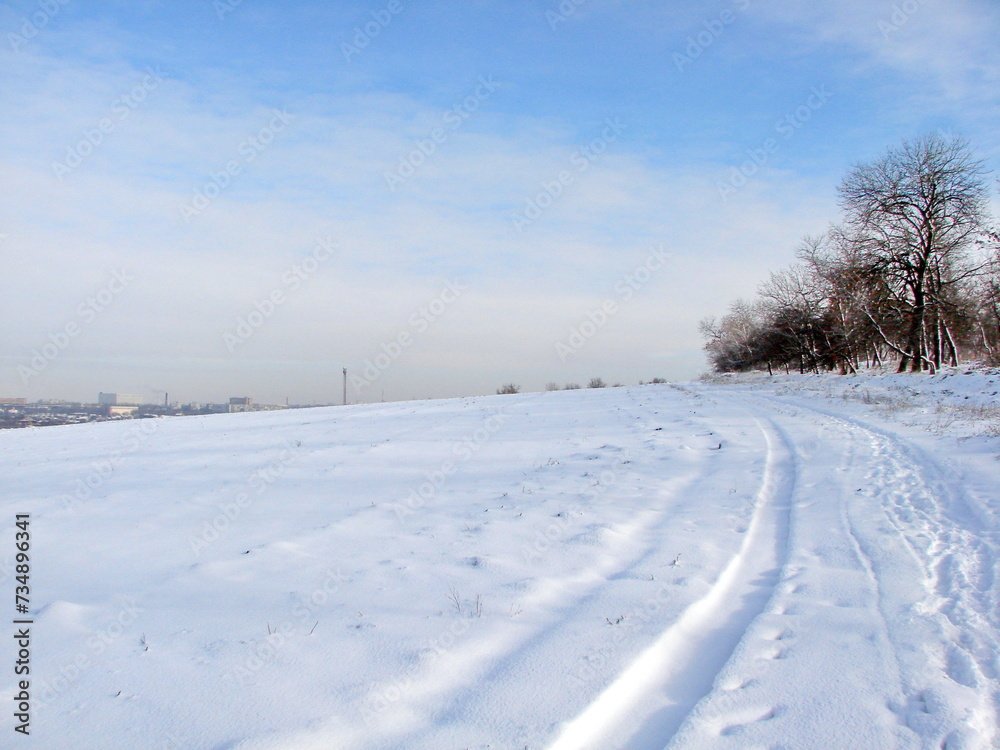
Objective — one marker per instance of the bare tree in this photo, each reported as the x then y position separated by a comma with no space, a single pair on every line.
732,342
987,314
795,302
912,271
858,306
913,217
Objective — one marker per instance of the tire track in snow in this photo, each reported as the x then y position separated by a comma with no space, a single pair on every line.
648,702
478,660
821,628
639,545
949,606
454,681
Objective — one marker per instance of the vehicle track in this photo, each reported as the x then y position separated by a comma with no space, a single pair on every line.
647,703
950,605
464,680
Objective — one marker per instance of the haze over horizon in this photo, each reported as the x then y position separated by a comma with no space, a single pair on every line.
242,197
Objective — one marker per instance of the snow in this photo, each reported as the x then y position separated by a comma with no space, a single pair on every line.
789,562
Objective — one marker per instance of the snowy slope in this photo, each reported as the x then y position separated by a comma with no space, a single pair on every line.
758,563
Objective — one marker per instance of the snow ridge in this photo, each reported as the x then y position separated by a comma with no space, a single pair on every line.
673,674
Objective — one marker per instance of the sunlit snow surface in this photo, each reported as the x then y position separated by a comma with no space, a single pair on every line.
797,562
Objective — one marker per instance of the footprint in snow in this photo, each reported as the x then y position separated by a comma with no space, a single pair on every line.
743,724
774,654
737,683
778,634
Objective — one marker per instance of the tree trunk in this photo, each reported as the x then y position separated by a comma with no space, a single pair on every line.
952,349
915,336
935,342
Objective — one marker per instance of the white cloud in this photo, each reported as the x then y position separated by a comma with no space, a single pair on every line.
323,176
948,45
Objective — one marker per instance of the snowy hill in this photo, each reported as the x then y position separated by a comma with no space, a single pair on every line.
792,562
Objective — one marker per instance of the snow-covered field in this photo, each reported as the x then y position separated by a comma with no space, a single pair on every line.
797,562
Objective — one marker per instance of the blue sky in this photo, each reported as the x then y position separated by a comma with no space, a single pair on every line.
532,154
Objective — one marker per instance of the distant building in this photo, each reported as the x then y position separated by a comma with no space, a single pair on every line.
240,403
18,401
119,399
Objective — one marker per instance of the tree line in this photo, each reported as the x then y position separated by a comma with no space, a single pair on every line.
911,275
